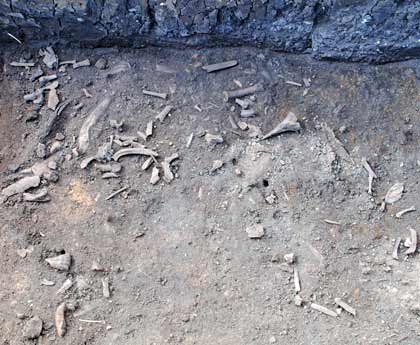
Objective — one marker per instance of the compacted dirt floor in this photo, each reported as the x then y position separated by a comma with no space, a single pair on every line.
177,256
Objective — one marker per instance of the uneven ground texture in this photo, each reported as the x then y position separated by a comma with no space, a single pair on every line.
347,30
181,267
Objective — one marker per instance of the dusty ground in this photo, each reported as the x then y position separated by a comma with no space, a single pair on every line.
181,267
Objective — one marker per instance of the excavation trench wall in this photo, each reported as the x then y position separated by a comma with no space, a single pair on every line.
347,30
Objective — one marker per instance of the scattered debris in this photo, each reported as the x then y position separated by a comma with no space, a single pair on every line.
36,96
413,242
254,131
395,249
290,82
324,310
50,58
155,176
67,62
101,63
94,116
168,176
243,126
21,186
47,282
41,196
109,175
22,64
66,285
134,151
46,79
155,94
84,63
189,140
38,72
394,193
53,99
256,231
96,266
33,328
60,319
55,147
245,113
242,92
87,93
147,163
345,306
92,321
371,173
233,122
332,222
60,262
104,168
165,112
296,280
51,121
116,193
243,103
149,129
403,212
289,258
298,300
41,150
214,139
14,37
117,125
22,252
217,164
119,68
105,287
289,124
336,144
220,66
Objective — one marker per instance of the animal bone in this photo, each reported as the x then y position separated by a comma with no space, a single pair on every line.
60,262
134,151
289,124
227,95
220,66
60,319
155,94
403,212
21,186
94,116
371,173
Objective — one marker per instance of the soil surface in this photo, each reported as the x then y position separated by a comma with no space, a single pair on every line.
177,256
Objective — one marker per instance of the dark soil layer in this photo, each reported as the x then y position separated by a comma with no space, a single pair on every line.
347,30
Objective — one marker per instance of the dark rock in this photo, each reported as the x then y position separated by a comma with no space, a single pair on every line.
362,30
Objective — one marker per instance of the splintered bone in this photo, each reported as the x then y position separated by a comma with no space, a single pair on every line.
134,151
395,249
155,94
289,124
324,310
220,66
394,193
371,173
403,212
227,95
413,242
94,116
165,112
